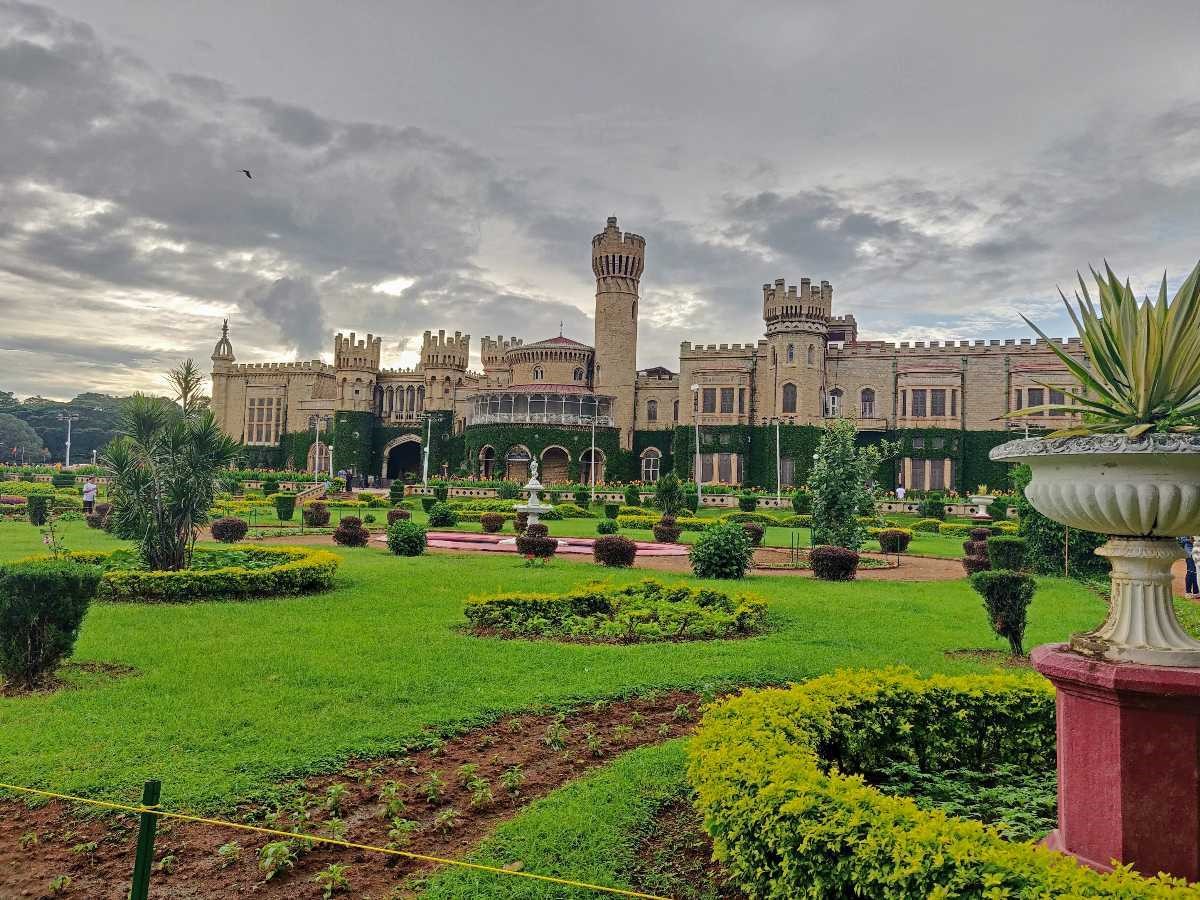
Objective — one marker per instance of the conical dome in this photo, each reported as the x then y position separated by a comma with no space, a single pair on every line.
223,351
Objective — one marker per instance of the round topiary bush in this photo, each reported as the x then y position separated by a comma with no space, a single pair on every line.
895,540
606,526
633,496
611,510
285,507
397,514
927,526
442,515
270,486
933,506
1006,551
520,521
783,780
535,542
666,531
406,538
747,502
350,532
396,491
755,532
583,498
722,550
229,530
315,514
100,516
614,550
833,563
491,522
42,605
427,503
802,503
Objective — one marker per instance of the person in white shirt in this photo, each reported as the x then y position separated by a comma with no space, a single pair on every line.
899,492
89,495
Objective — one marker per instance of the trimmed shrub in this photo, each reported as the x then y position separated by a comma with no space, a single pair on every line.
933,506
369,519
802,503
759,518
427,503
397,515
573,511
508,490
396,491
611,510
614,550
441,515
927,526
747,502
755,532
491,522
644,611
537,529
633,511
981,533
647,522
38,508
350,532
894,540
666,531
270,486
285,507
100,516
62,480
42,605
606,526
833,563
691,500
315,514
804,521
723,550
1006,551
229,530
782,781
633,495
1005,528
520,522
998,509
406,538
441,492
535,542
583,498
952,529
1006,597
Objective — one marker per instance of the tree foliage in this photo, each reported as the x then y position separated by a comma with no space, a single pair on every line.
841,484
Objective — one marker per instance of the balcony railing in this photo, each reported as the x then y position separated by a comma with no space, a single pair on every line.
539,419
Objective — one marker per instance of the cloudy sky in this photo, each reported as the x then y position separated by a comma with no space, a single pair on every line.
943,164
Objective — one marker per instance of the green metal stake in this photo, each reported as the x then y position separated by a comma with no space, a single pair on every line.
147,825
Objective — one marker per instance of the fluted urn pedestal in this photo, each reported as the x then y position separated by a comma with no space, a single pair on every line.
1128,692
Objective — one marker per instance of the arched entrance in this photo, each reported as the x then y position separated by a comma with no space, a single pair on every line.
402,458
318,457
585,466
487,461
516,463
555,466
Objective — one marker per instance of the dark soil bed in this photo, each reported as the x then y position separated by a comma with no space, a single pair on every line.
40,844
72,675
992,658
675,858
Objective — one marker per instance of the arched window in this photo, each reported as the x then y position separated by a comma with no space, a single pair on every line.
675,411
538,373
789,398
866,403
651,410
833,403
791,353
651,465
811,354
579,374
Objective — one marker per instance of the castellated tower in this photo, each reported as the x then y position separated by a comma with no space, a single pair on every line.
444,361
357,365
797,333
492,355
617,261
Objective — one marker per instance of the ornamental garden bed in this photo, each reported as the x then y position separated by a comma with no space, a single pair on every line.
216,573
768,558
806,786
642,612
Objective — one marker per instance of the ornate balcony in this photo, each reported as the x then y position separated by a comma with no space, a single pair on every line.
551,405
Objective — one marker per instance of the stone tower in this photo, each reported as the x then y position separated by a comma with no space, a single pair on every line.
797,334
357,364
444,359
222,367
491,353
617,261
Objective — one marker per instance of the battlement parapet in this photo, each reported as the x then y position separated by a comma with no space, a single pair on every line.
618,255
954,348
284,368
352,353
781,301
696,349
443,351
443,341
400,373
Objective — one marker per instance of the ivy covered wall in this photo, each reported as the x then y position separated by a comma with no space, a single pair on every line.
538,437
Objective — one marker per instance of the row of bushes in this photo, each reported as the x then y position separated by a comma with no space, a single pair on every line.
782,781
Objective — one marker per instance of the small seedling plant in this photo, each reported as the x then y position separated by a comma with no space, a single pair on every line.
332,880
276,858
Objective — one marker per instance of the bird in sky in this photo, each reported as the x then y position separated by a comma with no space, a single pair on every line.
246,172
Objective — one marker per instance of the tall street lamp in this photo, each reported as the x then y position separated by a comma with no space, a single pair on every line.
425,456
696,415
68,418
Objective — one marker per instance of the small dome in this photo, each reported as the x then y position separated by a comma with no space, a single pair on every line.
223,350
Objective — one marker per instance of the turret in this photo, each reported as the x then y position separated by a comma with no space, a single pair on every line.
444,360
357,365
797,322
617,262
492,352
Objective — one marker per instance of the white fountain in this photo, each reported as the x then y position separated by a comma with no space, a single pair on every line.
533,507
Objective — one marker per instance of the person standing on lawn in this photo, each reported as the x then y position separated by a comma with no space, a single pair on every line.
90,489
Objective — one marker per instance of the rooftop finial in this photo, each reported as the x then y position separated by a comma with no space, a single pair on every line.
560,327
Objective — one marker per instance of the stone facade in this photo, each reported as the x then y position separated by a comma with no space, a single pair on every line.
809,366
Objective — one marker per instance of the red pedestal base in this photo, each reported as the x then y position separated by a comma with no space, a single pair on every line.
1128,762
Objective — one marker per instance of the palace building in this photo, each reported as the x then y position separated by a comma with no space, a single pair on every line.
757,406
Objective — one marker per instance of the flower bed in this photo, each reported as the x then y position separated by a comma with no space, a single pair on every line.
216,574
646,611
782,781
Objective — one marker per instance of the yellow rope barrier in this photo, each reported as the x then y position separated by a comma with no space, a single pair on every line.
220,823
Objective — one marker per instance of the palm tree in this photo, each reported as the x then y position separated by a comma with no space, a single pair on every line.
164,468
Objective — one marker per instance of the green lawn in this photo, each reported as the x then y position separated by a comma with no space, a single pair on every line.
232,698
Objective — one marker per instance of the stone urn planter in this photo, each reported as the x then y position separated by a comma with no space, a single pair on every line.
1141,493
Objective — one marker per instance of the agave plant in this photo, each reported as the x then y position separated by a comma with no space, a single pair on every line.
1145,359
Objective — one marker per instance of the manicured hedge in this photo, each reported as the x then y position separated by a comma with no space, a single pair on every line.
954,529
685,523
758,518
779,781
803,520
927,526
42,605
894,540
645,611
279,571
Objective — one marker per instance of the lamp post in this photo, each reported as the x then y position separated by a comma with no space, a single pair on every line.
425,454
68,418
592,459
696,415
